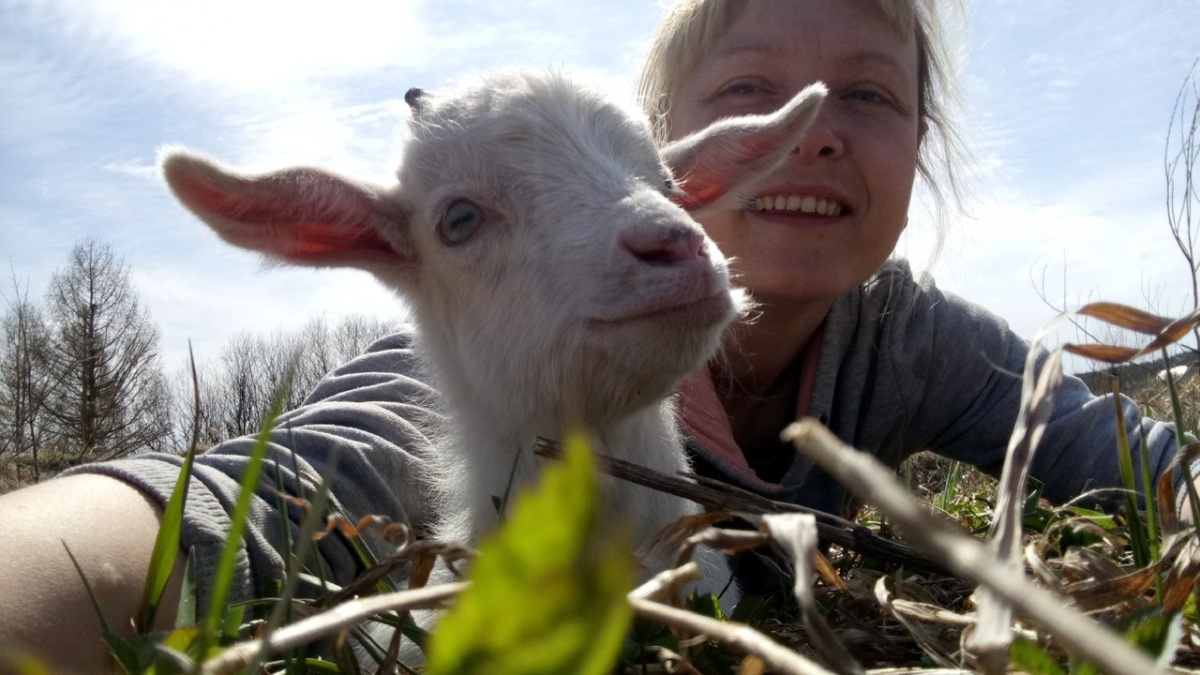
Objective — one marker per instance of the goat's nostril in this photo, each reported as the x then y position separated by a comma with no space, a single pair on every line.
664,245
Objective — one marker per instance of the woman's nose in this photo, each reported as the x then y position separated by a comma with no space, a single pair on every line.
821,141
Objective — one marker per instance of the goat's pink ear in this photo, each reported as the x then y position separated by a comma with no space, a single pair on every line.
302,216
728,157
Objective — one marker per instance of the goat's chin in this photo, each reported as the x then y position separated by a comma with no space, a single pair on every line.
638,363
672,340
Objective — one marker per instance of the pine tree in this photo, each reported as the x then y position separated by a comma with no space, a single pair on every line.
109,397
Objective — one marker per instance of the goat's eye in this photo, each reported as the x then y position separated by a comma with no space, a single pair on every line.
460,222
671,188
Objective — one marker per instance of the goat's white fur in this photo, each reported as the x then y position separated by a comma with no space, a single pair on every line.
584,296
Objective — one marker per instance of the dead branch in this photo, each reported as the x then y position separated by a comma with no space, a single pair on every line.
736,635
719,496
335,620
966,556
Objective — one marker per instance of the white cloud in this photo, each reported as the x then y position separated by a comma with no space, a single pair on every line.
225,291
244,44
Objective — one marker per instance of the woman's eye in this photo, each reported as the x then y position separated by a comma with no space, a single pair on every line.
869,96
460,222
742,89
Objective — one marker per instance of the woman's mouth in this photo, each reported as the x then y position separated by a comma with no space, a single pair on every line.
801,203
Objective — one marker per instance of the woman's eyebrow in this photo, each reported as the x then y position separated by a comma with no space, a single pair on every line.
875,57
747,46
863,57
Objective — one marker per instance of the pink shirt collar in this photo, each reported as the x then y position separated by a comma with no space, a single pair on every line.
704,418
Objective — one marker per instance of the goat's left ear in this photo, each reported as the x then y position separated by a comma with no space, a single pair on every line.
301,216
728,157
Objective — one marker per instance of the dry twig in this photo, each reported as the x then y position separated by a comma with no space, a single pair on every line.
339,618
736,635
968,557
722,497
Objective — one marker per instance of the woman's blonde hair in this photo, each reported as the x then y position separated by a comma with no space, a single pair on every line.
691,28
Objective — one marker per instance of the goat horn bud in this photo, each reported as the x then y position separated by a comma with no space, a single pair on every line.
413,98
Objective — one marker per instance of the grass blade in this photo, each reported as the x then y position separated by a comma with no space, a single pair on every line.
166,546
223,580
166,543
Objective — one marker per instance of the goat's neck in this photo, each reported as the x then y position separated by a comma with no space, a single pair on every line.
497,448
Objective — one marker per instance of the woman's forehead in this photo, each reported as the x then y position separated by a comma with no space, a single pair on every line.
851,32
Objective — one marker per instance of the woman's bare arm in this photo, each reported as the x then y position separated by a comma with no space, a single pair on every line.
110,527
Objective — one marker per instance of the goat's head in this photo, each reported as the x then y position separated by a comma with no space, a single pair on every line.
534,231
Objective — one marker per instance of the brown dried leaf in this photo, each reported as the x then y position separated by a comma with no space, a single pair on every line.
1167,334
827,571
1125,317
670,544
1082,564
1104,353
1179,328
1098,594
398,534
1168,516
1181,580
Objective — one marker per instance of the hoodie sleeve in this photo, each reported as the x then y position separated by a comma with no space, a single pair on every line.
958,370
367,424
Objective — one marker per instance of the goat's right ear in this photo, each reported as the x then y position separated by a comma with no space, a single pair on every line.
302,216
726,159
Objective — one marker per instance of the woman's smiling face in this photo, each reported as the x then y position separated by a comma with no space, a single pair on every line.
830,216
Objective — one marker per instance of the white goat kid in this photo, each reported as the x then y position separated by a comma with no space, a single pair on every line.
551,276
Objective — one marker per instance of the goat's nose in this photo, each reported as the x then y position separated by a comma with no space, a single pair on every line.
664,245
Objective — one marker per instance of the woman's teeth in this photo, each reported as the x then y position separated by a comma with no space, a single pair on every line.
801,203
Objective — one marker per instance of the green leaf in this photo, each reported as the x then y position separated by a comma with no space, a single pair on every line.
222,584
548,589
166,545
185,616
1026,656
1155,632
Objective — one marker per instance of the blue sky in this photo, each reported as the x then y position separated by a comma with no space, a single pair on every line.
1066,106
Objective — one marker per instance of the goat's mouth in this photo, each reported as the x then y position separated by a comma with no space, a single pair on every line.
798,203
715,309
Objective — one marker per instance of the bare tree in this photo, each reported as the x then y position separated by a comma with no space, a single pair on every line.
1179,165
240,400
237,388
192,420
1180,156
353,334
109,396
312,348
24,385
